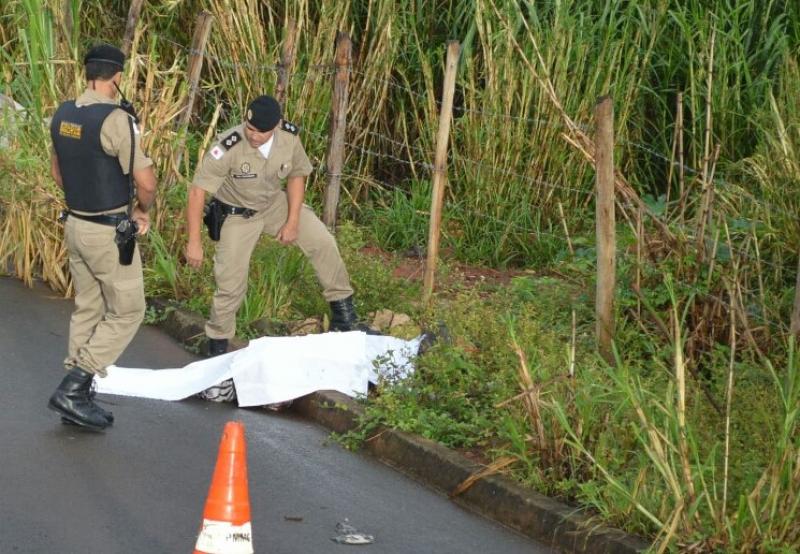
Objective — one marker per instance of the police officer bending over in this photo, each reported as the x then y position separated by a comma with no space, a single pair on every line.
95,153
244,171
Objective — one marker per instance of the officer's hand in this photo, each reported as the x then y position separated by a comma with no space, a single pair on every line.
194,253
287,234
142,220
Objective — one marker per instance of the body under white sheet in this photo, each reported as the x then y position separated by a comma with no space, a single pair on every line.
276,369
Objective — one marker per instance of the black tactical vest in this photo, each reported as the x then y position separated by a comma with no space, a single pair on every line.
93,180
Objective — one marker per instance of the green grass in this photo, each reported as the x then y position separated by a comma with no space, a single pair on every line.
516,190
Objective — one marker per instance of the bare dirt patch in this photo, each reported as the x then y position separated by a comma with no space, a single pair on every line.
411,267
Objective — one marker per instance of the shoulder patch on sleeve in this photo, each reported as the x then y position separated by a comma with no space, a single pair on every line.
290,127
231,140
217,152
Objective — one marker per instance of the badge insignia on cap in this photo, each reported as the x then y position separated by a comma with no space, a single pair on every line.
249,114
290,127
231,140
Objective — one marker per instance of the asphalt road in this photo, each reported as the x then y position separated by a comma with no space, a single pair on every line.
141,486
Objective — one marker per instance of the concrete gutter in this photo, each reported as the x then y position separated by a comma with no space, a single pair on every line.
495,497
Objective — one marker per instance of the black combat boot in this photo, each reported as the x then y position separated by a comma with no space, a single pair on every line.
73,401
106,414
217,347
344,318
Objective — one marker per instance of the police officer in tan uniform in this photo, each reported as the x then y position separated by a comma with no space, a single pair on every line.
245,172
91,161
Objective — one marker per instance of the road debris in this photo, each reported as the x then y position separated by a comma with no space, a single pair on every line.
350,535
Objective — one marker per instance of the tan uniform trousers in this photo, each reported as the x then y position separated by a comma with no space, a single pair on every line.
232,260
109,297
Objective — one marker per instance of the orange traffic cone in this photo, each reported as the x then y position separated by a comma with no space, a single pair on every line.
226,518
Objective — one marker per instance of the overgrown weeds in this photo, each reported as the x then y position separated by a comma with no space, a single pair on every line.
682,441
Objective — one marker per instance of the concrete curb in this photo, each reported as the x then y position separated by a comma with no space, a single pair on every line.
495,497
183,325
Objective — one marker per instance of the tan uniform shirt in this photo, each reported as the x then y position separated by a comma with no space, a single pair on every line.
115,135
238,174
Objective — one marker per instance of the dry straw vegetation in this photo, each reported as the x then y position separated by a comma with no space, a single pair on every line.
691,439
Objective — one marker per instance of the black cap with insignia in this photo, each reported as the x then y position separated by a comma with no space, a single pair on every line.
105,53
264,113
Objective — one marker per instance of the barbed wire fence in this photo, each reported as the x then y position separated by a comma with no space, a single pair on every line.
424,155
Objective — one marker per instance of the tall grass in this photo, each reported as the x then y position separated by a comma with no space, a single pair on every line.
508,155
651,454
519,194
276,270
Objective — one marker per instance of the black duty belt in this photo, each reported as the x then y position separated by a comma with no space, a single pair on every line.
227,209
103,219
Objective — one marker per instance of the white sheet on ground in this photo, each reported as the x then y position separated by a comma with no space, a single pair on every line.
276,369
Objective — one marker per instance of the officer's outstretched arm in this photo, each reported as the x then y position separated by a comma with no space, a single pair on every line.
145,187
295,192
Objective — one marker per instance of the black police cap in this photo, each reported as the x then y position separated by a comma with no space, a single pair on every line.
264,113
105,53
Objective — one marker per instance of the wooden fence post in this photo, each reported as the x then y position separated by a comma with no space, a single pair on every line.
335,158
202,28
130,26
606,233
287,59
440,168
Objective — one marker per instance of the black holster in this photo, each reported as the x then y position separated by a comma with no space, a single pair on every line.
214,216
125,238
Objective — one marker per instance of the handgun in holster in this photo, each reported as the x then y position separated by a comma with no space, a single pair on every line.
125,238
214,216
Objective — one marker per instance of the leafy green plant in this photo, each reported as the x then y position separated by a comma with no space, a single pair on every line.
274,269
684,461
401,221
